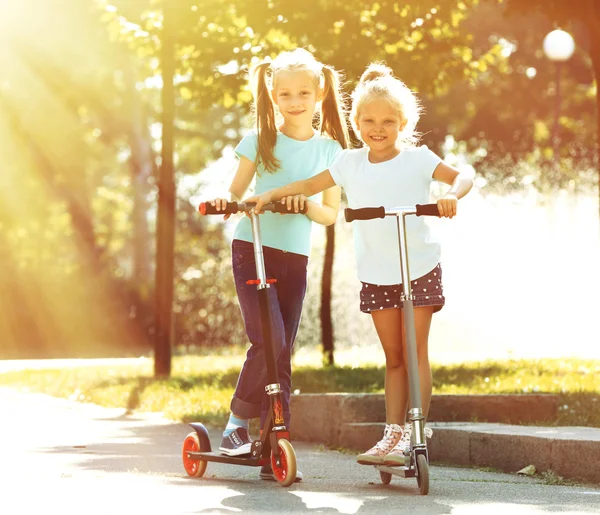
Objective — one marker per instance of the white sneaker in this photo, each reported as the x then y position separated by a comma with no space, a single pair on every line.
376,454
397,455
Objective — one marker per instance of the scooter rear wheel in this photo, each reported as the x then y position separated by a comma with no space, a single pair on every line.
193,467
386,477
286,473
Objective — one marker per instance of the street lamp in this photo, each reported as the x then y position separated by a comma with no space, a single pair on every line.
558,47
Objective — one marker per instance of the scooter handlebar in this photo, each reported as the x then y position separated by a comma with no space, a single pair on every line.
278,207
364,213
370,213
206,208
427,210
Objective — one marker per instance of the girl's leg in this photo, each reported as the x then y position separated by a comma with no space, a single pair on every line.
250,389
389,327
291,289
389,324
422,324
423,317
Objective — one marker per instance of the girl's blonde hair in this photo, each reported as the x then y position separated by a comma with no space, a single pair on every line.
332,119
378,81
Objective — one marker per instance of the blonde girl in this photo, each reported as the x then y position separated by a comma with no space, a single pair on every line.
290,93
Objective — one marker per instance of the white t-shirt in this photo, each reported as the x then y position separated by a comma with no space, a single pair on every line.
400,182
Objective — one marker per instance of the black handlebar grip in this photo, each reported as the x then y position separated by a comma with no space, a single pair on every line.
364,213
278,207
427,210
206,208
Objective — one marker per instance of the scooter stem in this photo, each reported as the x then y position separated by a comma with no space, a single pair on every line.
273,388
416,411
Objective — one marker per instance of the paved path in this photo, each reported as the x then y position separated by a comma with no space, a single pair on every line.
64,457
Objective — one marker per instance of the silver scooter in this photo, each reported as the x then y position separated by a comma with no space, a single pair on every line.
417,461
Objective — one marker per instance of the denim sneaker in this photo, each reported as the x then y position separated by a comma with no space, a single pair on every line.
266,473
236,443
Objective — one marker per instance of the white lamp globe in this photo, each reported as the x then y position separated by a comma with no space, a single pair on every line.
559,45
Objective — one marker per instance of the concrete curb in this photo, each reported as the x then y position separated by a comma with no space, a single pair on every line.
355,422
356,407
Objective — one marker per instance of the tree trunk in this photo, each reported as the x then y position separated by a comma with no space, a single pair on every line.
326,281
165,230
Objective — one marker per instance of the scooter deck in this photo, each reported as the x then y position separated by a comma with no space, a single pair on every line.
396,470
401,471
223,458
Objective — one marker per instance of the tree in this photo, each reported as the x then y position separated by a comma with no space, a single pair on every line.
218,42
56,99
424,38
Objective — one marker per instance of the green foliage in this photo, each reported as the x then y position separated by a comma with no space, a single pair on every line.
81,87
218,42
422,41
205,305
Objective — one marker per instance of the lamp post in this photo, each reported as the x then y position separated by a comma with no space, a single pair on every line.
558,47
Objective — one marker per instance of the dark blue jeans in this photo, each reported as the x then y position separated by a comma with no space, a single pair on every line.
286,297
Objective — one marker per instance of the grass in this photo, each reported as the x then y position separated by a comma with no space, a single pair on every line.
201,386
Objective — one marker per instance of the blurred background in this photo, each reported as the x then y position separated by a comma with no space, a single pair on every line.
82,141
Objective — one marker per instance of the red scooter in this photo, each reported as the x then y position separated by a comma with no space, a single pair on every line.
274,443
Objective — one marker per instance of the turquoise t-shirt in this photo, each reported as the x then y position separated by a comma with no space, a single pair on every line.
298,160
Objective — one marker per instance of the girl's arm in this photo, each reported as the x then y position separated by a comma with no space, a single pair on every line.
307,187
460,184
240,183
324,213
242,179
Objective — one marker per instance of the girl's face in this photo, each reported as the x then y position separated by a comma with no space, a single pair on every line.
379,125
296,95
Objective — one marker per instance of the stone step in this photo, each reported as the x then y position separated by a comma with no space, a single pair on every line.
569,452
308,409
356,422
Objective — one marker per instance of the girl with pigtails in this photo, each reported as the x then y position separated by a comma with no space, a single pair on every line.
284,147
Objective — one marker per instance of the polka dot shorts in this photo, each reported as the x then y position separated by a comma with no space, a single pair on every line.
427,291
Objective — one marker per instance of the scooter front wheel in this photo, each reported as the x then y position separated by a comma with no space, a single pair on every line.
423,474
193,467
286,473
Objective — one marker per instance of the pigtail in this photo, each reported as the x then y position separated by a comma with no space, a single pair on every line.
333,120
266,126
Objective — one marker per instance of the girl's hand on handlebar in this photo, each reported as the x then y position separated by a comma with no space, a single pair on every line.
447,205
295,202
220,204
260,200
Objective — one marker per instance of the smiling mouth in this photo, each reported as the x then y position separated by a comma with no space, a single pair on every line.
295,113
378,138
